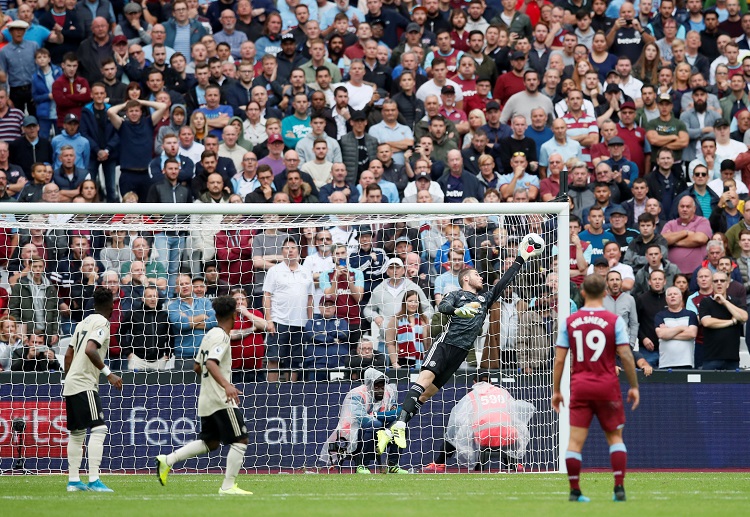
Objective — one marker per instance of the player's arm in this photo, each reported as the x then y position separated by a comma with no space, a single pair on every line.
628,364
197,367
68,359
233,394
92,352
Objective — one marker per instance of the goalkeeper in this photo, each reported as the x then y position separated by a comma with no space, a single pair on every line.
467,309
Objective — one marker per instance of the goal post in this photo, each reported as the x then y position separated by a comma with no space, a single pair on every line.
290,423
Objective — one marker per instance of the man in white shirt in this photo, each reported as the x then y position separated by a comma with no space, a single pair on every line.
629,85
439,79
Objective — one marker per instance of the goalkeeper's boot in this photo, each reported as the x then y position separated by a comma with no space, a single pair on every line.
98,486
384,438
162,469
361,469
434,468
395,469
235,490
619,494
577,497
77,486
399,434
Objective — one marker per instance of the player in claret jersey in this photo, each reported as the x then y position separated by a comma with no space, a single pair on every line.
595,336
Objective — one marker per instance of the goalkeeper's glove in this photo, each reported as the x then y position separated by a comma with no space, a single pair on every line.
467,311
531,246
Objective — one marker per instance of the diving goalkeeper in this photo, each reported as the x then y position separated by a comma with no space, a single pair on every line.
467,309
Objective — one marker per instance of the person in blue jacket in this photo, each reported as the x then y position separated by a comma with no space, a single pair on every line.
326,341
41,91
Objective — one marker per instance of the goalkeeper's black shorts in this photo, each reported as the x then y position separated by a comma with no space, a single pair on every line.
443,360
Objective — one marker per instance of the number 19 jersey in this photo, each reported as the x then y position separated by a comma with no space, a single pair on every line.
593,335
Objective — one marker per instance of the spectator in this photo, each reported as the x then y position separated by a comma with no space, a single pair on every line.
327,340
448,281
519,178
96,47
248,348
24,152
596,235
677,329
648,304
34,303
352,142
722,318
190,318
145,335
288,305
621,303
364,357
654,256
17,64
182,32
103,140
11,120
686,236
35,356
170,244
136,132
386,298
611,253
69,176
215,286
560,144
714,252
458,184
389,131
369,259
347,285
10,341
154,271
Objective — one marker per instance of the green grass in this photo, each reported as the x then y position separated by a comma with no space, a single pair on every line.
453,495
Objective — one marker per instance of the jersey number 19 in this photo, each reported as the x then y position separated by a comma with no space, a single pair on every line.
595,340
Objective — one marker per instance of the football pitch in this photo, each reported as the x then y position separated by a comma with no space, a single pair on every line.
452,495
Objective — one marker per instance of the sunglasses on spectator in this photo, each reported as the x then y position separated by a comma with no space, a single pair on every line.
700,174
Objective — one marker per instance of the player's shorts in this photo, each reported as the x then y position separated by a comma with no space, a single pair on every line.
443,360
610,413
226,425
84,411
285,346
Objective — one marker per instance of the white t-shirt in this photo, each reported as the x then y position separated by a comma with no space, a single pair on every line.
359,96
289,294
430,88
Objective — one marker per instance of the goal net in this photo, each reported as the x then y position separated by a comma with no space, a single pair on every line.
323,292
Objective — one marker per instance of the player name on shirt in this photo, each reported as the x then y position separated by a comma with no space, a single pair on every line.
590,320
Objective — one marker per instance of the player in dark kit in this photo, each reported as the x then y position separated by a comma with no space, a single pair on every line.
595,336
467,309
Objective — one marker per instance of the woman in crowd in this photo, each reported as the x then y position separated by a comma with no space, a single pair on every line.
407,334
646,69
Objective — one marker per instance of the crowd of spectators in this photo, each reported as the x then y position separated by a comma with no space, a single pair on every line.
644,108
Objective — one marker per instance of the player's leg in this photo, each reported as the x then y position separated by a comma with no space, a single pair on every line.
208,440
95,445
78,415
611,416
618,457
394,455
233,433
573,461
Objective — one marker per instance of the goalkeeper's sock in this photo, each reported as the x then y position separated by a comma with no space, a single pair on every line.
96,451
618,457
190,450
75,455
411,404
573,462
235,458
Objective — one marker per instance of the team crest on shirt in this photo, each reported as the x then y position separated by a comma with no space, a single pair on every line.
100,333
480,298
218,350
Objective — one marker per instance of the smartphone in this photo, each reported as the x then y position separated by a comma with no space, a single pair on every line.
628,22
342,262
726,188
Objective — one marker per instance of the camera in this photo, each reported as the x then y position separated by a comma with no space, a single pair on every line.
628,22
19,425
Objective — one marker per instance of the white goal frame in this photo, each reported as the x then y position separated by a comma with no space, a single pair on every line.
560,209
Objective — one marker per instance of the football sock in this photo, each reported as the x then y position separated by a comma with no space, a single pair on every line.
96,451
187,451
573,463
618,457
411,404
235,458
75,455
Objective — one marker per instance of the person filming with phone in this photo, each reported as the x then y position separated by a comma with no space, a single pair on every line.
348,286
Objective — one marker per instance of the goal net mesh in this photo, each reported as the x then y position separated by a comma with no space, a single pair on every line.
363,292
